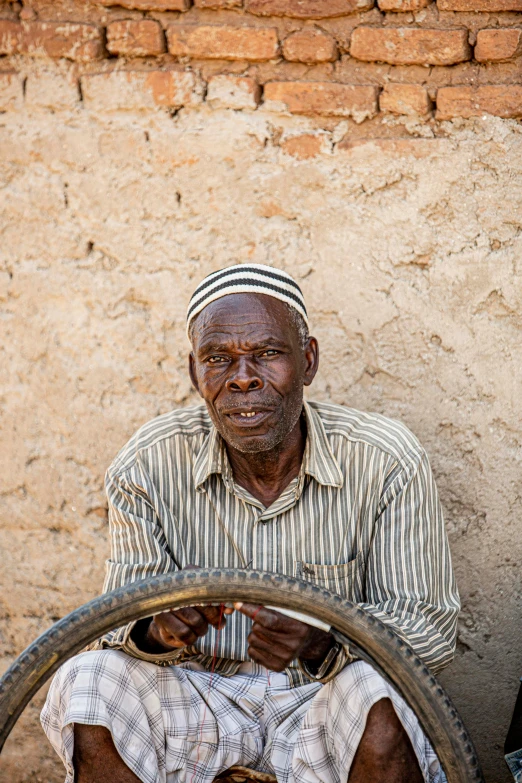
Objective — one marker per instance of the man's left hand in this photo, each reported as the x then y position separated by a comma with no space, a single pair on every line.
276,640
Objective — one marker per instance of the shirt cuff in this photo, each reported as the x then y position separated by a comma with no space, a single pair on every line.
121,640
338,657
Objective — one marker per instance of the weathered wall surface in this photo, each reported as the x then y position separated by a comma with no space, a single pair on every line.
407,242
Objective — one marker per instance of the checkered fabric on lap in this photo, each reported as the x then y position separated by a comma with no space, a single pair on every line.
172,725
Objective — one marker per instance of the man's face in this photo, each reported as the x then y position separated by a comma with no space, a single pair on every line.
250,367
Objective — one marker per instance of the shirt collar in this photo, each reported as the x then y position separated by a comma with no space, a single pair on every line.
211,458
318,459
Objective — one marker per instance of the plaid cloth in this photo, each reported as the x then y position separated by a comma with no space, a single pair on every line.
514,762
174,725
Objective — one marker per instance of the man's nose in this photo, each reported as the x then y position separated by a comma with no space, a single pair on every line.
244,378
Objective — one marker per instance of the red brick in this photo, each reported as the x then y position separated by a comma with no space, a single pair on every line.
304,146
11,91
502,100
27,14
233,92
135,37
80,42
404,99
218,3
498,45
328,99
221,42
149,5
410,46
310,46
306,9
10,36
479,5
402,6
121,90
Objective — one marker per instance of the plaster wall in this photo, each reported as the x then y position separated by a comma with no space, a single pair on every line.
408,250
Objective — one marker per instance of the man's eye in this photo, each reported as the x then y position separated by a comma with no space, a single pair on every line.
270,352
216,359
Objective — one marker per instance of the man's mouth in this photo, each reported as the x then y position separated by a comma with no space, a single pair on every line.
247,417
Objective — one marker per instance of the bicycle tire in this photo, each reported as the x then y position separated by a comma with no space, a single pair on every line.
369,638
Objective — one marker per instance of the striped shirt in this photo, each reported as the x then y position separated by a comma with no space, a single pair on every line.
362,519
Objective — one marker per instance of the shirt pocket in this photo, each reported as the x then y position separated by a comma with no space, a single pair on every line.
345,579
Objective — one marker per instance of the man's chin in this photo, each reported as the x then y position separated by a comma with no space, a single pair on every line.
252,444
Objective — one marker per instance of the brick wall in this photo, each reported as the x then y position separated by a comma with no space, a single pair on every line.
361,60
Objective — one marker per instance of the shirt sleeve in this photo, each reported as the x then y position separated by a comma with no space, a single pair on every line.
410,583
139,550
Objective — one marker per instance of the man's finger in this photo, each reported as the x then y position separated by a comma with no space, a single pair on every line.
268,647
284,644
172,629
214,615
194,618
268,660
173,626
157,634
269,619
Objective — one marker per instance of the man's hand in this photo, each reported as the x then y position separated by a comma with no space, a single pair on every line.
276,640
173,630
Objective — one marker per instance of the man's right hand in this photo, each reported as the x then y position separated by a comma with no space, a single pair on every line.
175,629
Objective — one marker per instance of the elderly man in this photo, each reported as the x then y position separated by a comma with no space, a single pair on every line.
256,477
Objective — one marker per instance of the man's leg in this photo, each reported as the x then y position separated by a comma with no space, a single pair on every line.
95,758
385,753
109,691
355,728
121,720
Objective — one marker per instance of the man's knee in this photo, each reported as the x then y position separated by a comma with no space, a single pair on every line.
90,742
95,757
384,733
385,751
80,678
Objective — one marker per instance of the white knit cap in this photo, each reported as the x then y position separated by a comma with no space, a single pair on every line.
247,279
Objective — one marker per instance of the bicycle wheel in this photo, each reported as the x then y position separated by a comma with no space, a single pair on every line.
369,639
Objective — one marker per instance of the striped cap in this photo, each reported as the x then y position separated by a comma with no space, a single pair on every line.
247,279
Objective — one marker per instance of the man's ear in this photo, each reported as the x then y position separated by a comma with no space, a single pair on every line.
311,353
192,372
